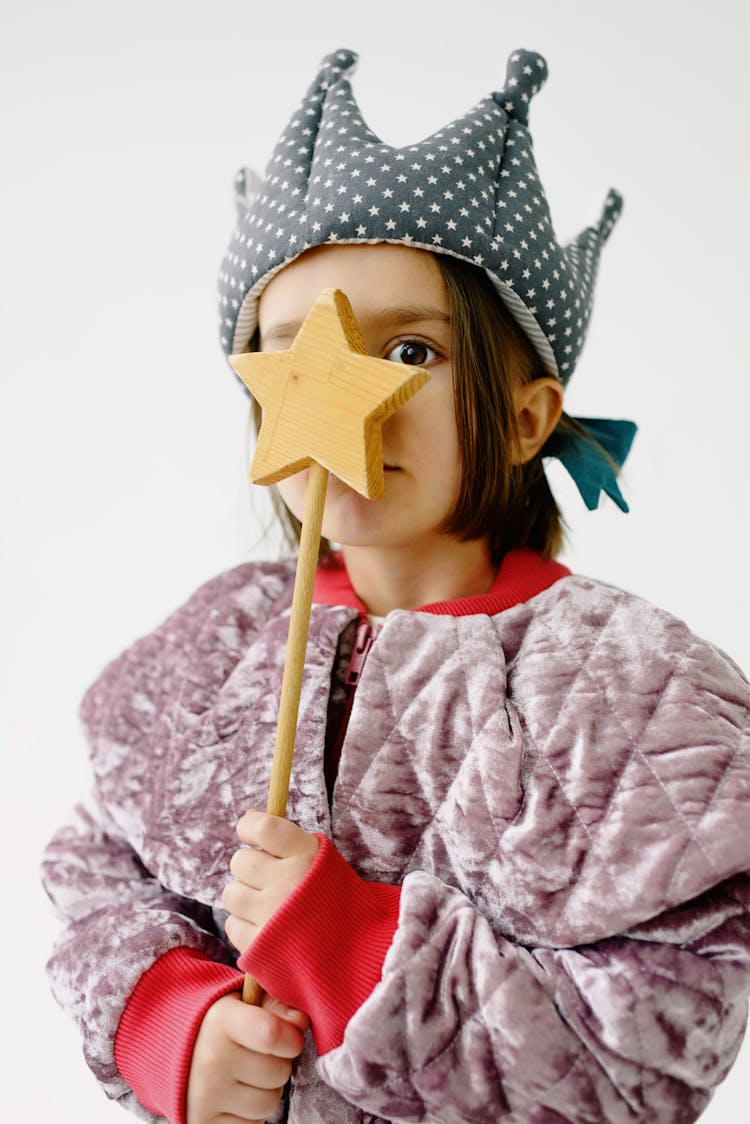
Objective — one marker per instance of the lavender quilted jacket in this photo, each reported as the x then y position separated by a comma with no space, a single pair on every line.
562,790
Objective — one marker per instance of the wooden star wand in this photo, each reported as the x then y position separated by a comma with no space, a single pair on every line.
323,402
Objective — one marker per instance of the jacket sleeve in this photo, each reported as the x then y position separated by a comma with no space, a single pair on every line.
118,922
467,1026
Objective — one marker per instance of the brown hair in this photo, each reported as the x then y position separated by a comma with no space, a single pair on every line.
509,505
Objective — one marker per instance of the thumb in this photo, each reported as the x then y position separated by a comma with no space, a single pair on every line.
289,1014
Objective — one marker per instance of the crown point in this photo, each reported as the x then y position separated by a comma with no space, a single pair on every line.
611,212
526,73
335,64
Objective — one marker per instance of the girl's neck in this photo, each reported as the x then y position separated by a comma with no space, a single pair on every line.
387,578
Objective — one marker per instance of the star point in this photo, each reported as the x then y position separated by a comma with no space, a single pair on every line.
325,399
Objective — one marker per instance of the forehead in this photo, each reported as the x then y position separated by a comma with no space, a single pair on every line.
372,276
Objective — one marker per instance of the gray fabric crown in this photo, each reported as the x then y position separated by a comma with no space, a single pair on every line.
470,190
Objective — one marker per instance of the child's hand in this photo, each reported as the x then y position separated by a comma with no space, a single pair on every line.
264,878
242,1060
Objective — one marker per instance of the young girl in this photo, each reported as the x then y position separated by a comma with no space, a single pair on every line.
512,884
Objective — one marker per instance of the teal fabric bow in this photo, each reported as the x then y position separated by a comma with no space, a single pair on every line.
582,456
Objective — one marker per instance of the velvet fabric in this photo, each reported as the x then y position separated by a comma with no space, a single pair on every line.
562,791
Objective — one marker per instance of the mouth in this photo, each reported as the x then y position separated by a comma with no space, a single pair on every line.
390,468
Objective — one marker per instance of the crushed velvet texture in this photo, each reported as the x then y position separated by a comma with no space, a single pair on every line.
563,790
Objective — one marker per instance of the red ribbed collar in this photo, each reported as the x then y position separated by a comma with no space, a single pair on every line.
522,574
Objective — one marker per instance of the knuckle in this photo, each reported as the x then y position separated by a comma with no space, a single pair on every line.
285,1071
266,1102
236,898
275,827
246,825
214,1024
236,862
269,1034
266,825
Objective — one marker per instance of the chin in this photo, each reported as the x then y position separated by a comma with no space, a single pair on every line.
352,532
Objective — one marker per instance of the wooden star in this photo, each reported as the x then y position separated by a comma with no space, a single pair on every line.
325,399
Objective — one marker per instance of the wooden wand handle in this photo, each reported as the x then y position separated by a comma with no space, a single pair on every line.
294,665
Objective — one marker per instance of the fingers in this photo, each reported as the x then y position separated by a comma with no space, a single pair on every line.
267,871
263,1031
242,1059
260,1071
274,835
241,933
240,898
249,909
237,1102
254,868
289,1014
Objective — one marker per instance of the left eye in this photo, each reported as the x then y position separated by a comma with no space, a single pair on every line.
413,353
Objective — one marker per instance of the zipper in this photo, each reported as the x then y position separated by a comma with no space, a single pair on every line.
363,641
362,644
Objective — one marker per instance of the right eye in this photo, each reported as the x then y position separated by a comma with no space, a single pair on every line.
414,353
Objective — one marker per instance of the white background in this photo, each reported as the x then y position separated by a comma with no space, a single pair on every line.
124,437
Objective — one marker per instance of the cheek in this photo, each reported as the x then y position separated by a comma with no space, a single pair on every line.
444,456
292,491
430,412
434,430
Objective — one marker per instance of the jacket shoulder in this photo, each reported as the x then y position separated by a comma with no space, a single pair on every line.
207,634
585,611
642,730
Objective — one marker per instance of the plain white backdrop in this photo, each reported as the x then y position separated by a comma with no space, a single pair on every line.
124,436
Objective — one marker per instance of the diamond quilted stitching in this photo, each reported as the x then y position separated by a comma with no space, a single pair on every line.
637,752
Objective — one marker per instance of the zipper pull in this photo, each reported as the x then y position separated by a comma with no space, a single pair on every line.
362,644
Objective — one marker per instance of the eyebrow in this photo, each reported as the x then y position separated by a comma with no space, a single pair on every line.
393,314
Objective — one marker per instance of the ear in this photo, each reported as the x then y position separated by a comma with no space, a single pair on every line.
538,407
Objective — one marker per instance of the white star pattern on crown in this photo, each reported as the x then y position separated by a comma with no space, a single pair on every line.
470,190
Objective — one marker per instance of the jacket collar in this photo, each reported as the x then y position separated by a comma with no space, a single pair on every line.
522,574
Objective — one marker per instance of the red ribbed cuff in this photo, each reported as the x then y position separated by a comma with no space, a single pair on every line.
158,1028
323,950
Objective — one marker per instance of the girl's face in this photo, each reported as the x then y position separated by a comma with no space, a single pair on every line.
401,304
